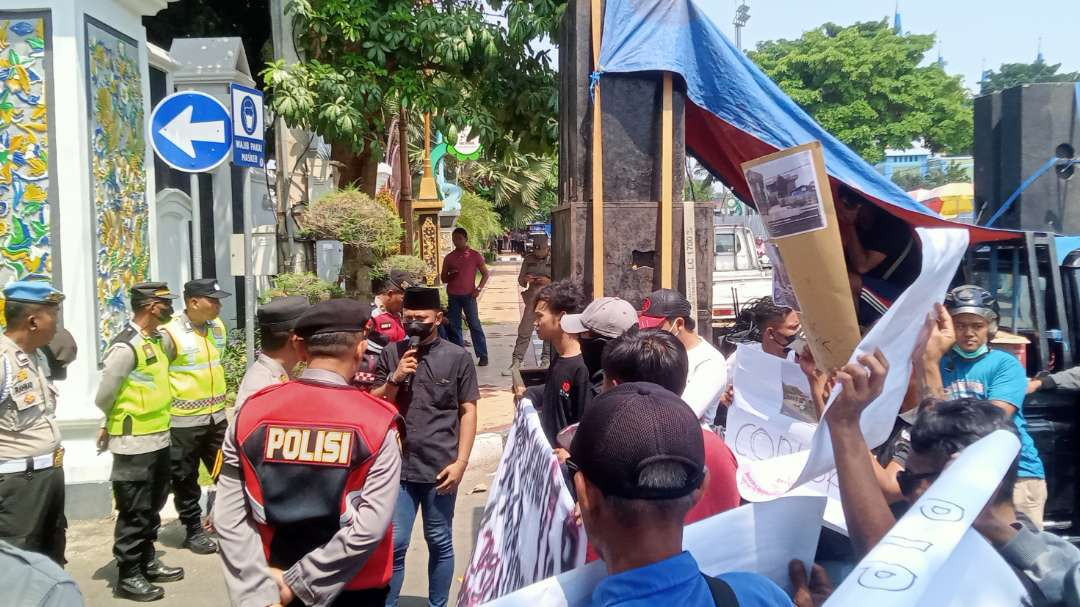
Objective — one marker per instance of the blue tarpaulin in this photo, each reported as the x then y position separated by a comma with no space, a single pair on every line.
735,112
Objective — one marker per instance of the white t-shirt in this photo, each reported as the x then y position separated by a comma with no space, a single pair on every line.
706,380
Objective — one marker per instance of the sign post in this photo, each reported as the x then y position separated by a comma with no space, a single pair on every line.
248,152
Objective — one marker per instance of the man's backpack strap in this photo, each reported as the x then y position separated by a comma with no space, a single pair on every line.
721,592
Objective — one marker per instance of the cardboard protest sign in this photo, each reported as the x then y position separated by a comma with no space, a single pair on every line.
791,191
759,538
768,419
527,532
910,564
895,334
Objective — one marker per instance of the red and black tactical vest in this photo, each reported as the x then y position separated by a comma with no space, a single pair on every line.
305,447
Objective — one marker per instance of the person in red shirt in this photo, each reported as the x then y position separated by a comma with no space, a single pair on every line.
459,271
392,293
656,356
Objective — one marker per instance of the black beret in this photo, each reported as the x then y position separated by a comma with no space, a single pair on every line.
422,298
282,312
333,316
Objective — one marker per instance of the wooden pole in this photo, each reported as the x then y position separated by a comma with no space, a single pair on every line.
666,184
597,161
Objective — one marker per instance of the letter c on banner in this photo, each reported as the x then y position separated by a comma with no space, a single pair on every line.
941,510
879,575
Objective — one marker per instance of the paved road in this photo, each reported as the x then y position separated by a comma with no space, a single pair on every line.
90,559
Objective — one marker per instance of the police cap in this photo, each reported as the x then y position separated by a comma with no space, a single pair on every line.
32,291
422,298
401,280
334,316
204,287
282,312
145,291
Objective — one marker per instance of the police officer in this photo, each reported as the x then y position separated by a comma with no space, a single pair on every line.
31,458
279,349
388,321
310,478
135,396
193,341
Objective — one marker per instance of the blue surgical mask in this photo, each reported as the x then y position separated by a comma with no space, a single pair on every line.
983,349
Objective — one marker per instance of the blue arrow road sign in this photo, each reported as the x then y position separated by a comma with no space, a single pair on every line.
248,126
191,131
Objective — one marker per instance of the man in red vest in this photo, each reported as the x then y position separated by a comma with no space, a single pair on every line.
310,478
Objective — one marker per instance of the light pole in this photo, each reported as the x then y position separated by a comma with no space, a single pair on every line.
742,15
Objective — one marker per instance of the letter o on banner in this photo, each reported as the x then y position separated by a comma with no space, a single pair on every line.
879,575
941,510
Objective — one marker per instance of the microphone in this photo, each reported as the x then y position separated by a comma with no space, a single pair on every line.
414,343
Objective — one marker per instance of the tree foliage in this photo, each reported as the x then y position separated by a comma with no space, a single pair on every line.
356,219
479,219
865,84
936,176
1015,74
448,58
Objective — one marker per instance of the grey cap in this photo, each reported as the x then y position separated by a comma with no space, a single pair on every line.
607,316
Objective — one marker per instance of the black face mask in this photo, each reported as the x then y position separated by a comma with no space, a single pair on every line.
592,351
419,328
166,314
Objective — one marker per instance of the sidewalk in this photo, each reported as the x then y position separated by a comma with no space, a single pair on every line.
500,310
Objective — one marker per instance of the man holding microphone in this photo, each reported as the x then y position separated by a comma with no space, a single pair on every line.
433,384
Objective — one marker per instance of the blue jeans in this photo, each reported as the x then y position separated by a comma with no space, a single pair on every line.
467,304
438,514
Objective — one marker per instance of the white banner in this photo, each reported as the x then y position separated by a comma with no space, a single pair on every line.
923,556
772,415
528,532
895,335
760,538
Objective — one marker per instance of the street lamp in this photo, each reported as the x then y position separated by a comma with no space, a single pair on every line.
742,15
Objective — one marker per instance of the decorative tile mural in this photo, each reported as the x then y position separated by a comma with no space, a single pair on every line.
117,173
25,246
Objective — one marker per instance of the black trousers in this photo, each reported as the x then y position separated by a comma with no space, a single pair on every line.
32,512
140,488
189,447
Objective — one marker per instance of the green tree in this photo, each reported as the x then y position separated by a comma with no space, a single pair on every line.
447,58
1014,74
937,176
480,220
865,84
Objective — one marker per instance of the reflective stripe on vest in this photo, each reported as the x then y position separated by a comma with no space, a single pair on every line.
196,374
143,401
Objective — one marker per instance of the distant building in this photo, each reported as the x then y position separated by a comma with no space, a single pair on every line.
918,158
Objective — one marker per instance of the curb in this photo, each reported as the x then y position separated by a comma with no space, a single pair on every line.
487,449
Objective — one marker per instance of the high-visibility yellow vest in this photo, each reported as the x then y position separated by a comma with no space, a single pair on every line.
196,374
142,405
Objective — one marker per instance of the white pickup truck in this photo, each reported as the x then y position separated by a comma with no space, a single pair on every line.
740,273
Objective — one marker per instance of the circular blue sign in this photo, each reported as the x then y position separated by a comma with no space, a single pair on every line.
191,131
248,116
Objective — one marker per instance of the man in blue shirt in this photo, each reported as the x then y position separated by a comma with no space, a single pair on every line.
958,363
638,462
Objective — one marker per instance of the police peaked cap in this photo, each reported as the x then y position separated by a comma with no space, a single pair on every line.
282,312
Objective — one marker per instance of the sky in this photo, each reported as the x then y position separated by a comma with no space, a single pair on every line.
970,31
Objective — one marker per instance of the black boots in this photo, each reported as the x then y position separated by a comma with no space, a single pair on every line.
134,586
198,542
156,571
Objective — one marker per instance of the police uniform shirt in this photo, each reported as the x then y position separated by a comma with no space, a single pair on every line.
28,425
445,377
169,346
118,364
265,371
321,574
29,578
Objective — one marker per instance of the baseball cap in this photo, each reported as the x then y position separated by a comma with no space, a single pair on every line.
333,316
631,426
204,287
661,305
607,316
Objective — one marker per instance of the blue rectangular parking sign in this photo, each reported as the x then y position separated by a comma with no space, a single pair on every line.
248,127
